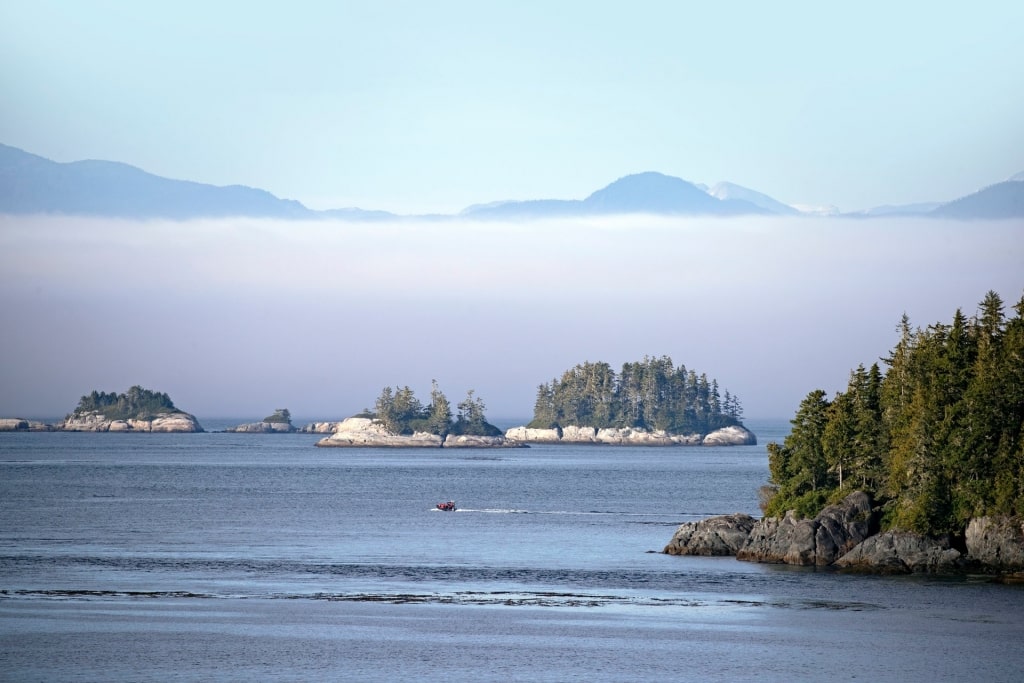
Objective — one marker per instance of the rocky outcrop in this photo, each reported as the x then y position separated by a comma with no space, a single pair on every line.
364,432
811,542
730,436
902,552
263,428
356,432
528,435
845,536
474,441
320,428
996,542
572,434
718,536
161,422
18,424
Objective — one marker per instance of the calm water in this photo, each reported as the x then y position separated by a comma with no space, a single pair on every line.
246,557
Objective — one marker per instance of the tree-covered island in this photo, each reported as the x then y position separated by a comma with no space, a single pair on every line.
137,409
648,402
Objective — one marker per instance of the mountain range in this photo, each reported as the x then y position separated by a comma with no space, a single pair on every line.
31,184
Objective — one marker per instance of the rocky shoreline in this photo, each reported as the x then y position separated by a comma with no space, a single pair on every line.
727,436
846,537
363,432
96,422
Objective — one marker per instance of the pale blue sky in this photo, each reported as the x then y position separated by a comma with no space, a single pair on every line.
418,107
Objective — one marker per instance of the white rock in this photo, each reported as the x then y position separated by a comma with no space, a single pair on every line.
362,431
730,436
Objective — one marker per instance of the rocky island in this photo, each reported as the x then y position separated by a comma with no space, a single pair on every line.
280,422
917,470
400,420
136,410
647,403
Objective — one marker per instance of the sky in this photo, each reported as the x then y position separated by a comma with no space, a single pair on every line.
419,107
431,107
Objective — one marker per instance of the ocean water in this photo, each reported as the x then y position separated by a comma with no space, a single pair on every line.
138,557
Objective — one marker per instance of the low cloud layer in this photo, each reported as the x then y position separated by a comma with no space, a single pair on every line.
238,317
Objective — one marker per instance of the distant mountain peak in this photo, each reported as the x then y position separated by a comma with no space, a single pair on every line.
726,190
33,184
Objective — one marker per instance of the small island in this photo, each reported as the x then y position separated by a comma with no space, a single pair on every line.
400,420
917,470
647,403
280,422
136,410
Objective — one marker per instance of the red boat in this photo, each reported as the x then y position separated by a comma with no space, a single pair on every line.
447,506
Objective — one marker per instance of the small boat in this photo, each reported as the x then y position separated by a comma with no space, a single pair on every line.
447,506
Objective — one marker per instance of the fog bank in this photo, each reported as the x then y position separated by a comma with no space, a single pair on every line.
238,317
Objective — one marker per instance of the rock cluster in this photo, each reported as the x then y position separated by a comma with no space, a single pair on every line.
901,552
845,536
717,536
365,432
572,434
819,541
320,428
996,542
263,428
17,424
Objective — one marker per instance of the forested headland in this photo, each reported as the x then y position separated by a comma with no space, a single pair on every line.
650,394
935,438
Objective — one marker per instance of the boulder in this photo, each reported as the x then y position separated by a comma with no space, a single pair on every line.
811,542
529,435
996,542
722,535
574,434
730,436
635,437
902,552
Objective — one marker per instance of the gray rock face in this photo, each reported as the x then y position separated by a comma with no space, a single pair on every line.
727,436
716,536
996,542
902,552
810,542
162,422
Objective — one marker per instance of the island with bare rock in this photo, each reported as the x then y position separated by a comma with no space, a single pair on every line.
400,420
